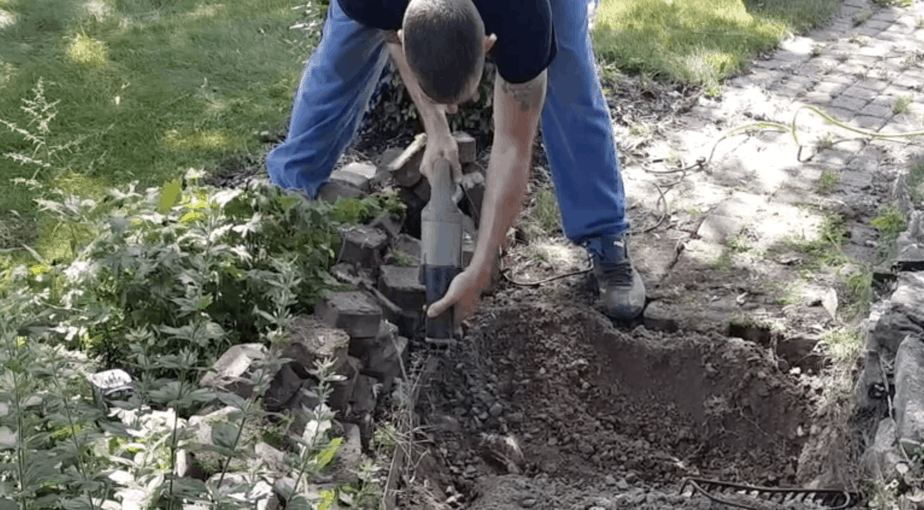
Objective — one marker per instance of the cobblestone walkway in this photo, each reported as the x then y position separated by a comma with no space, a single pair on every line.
731,224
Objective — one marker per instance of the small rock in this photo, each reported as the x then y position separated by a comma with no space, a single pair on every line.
585,448
528,502
553,441
622,484
496,410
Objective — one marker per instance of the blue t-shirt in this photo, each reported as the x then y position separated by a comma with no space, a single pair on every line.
525,43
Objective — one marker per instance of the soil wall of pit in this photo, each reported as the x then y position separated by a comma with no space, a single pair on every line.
589,404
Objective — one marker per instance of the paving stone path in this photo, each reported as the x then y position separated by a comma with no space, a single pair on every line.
732,220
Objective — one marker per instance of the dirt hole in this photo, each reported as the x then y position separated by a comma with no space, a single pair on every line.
543,396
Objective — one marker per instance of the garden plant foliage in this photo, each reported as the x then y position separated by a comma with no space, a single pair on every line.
160,282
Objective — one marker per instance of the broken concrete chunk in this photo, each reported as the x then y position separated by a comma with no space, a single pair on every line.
909,386
405,169
422,190
345,468
360,347
112,385
659,318
310,339
363,399
233,369
342,390
386,362
283,387
389,224
401,285
891,328
356,180
363,169
909,294
467,147
468,168
335,189
882,457
473,185
355,312
220,427
256,494
910,244
363,245
409,246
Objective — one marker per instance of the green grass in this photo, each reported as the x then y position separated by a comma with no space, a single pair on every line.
698,41
144,89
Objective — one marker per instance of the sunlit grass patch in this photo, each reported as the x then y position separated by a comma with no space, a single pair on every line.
212,140
88,52
698,41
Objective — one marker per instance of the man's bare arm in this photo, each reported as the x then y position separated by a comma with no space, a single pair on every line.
517,109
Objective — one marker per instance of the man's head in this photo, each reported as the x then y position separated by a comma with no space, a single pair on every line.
445,44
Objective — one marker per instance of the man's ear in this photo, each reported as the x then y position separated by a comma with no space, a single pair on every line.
489,41
401,37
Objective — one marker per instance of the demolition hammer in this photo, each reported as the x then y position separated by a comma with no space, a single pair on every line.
440,249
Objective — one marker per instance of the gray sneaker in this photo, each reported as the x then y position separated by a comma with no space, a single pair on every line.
621,287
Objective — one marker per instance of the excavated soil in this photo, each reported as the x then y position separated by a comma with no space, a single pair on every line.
550,406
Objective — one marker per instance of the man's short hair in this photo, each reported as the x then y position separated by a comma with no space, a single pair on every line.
443,44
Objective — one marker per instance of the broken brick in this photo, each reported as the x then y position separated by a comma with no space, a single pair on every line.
310,340
405,169
391,225
474,186
385,362
467,147
468,168
401,285
353,179
355,312
363,245
232,370
342,390
363,397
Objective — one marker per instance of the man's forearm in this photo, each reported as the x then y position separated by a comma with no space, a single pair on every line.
517,108
507,176
432,116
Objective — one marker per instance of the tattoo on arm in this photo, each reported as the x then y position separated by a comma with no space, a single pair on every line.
526,94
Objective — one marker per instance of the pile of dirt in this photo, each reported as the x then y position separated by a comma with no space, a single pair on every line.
554,403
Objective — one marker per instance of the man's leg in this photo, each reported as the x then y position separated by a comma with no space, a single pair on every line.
578,134
335,88
578,137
